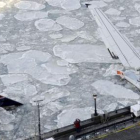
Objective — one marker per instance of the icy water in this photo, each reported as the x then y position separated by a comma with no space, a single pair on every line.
51,50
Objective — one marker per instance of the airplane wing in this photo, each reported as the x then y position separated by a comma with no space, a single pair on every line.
116,43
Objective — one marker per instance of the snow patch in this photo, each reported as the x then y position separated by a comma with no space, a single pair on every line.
29,5
105,87
70,23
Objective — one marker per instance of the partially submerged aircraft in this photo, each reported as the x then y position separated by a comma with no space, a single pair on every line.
118,46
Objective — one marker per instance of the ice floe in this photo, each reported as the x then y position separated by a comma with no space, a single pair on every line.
47,25
6,47
113,11
2,4
67,117
29,5
110,107
62,63
56,36
30,15
137,7
65,4
96,4
119,18
6,117
70,23
2,16
86,36
51,95
105,87
82,53
108,0
122,24
135,21
68,38
33,63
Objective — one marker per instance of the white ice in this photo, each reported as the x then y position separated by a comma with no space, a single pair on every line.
122,24
83,53
30,15
70,23
29,5
85,35
135,21
56,36
65,4
50,95
47,25
110,107
6,47
119,18
5,116
2,16
68,38
30,62
105,87
2,38
67,117
137,7
62,63
112,70
108,0
96,4
2,4
113,11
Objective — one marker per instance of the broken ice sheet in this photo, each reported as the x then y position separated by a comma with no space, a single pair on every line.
105,87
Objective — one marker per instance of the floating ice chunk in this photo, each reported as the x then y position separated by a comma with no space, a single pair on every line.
29,5
5,116
30,62
113,11
110,107
62,63
125,103
58,12
6,127
69,38
119,18
2,4
108,0
105,87
137,7
13,78
82,53
96,4
121,8
2,16
135,21
70,23
65,4
47,24
2,38
123,24
30,15
85,35
51,95
23,48
53,68
56,36
6,47
112,70
67,117
70,4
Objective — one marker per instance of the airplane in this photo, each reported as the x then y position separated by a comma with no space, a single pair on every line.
119,47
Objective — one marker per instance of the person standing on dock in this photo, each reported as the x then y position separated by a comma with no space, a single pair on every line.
77,125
